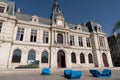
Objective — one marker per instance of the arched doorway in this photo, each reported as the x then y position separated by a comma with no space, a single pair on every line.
105,61
61,59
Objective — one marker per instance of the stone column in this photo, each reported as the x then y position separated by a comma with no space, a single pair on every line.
66,40
24,57
68,59
78,59
109,59
53,58
38,36
41,36
28,33
86,60
55,37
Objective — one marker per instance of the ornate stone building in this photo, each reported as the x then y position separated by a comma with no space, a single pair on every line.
52,41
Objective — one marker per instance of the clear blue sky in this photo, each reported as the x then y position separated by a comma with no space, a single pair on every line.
104,12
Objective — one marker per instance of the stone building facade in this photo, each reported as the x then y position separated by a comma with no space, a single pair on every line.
52,41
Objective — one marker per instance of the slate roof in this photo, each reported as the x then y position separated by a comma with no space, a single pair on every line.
27,17
47,21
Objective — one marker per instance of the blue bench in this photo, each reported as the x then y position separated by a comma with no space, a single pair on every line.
45,71
72,74
107,73
104,74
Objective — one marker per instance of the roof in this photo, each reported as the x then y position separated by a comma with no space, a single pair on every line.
47,21
26,17
11,6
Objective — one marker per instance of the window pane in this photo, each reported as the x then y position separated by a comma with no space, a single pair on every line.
60,38
73,58
45,37
72,43
44,57
31,55
90,58
102,43
33,36
88,42
16,56
20,34
80,41
82,58
1,9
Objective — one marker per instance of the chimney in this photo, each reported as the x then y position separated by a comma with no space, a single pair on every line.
19,10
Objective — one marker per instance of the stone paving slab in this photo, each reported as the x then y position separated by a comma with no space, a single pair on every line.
56,74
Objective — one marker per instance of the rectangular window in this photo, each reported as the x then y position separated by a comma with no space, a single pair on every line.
101,40
1,26
45,37
72,43
1,9
80,41
33,36
88,42
20,34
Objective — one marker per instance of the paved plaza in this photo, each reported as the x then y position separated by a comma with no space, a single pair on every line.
56,74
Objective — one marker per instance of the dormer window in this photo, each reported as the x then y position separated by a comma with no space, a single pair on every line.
35,19
2,9
98,28
78,27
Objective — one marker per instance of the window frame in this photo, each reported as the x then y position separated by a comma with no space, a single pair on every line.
72,41
43,59
33,35
2,9
20,34
16,59
45,37
90,58
102,41
88,42
73,58
60,38
31,55
82,58
80,40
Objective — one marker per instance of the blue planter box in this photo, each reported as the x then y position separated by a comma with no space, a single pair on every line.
45,71
72,74
105,73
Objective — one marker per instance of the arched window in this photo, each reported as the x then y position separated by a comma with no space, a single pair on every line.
16,56
44,57
82,58
73,58
60,38
90,58
31,56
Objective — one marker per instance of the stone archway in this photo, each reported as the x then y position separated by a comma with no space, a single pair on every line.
61,59
105,61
